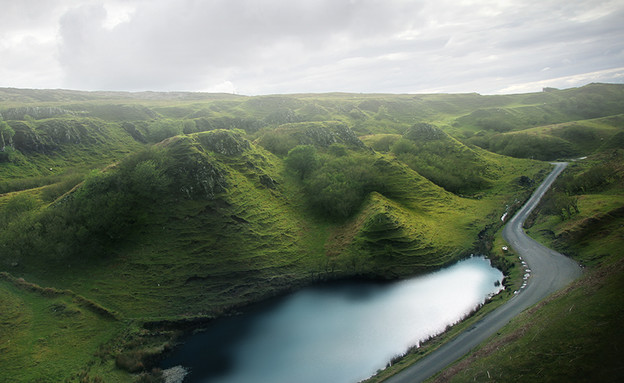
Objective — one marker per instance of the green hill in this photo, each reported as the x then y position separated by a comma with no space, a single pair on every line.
142,213
573,335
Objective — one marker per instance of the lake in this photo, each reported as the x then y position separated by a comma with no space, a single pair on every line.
339,332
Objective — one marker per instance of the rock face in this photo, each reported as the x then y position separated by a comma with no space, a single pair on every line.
199,178
322,134
326,135
131,129
36,112
197,174
267,181
51,134
226,142
26,140
424,132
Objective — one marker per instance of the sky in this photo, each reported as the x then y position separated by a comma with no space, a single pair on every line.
255,47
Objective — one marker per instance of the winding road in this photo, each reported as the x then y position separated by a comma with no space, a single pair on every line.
550,271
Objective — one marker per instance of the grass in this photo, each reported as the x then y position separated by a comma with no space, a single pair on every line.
46,334
575,334
572,336
505,260
199,256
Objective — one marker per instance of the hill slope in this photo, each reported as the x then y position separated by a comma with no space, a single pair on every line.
171,209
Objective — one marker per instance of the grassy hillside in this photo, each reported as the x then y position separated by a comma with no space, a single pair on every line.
143,213
50,335
574,335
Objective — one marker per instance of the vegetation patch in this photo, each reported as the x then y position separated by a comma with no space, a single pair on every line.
172,209
575,332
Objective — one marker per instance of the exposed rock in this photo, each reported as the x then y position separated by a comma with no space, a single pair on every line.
134,132
26,140
36,112
326,134
224,142
49,135
424,132
197,176
67,132
203,180
267,181
174,374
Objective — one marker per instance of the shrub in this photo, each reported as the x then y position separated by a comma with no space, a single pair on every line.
444,162
337,188
302,160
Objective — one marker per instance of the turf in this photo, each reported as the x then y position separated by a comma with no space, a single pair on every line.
235,225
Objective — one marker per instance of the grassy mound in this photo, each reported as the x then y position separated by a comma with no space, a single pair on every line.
171,209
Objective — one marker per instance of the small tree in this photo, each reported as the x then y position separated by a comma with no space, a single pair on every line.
302,159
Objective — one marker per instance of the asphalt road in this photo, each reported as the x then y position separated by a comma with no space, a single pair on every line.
550,271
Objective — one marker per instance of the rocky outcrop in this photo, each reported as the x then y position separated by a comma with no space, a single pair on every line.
226,142
424,132
60,132
49,135
131,129
26,140
326,135
36,112
267,181
321,134
198,176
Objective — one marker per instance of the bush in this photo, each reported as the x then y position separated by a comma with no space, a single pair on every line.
339,185
302,160
17,206
523,145
104,210
162,129
277,143
444,162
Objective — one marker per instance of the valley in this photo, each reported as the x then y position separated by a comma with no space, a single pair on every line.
138,216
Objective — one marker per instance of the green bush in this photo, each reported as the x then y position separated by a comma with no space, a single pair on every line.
523,145
339,185
102,211
444,162
302,159
17,206
162,129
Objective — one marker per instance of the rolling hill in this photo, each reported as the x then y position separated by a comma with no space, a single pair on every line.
141,214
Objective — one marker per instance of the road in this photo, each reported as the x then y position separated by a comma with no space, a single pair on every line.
550,271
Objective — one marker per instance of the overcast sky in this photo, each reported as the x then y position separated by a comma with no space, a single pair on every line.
289,46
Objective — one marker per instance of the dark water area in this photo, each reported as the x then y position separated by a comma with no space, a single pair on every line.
334,333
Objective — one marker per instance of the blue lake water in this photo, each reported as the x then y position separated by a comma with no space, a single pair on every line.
339,333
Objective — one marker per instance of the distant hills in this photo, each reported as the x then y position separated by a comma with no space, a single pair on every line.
164,210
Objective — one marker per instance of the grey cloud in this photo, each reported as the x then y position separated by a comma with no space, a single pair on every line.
273,46
181,40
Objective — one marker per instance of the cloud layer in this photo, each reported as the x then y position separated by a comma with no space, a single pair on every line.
273,46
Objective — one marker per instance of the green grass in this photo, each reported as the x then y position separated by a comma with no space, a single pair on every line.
235,225
49,337
574,334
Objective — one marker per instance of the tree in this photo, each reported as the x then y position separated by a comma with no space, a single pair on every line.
302,159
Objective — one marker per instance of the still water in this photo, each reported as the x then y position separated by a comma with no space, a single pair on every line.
335,333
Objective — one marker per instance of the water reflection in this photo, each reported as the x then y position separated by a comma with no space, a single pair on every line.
335,333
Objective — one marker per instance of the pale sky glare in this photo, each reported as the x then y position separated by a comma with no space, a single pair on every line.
293,46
